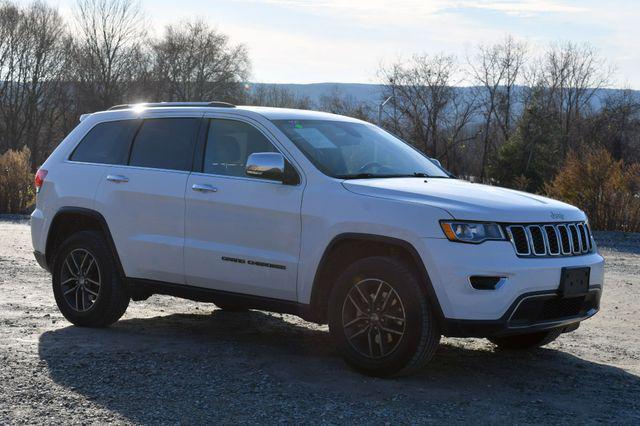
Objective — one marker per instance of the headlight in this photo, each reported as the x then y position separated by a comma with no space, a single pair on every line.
471,232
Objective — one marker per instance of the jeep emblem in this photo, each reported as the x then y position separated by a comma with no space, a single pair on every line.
558,216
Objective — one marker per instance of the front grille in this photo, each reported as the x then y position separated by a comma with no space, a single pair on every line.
551,308
550,239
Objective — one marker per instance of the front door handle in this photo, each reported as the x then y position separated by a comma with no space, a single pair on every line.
204,188
117,178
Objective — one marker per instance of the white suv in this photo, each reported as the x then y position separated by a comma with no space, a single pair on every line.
307,213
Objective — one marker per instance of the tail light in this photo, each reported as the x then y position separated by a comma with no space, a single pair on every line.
41,174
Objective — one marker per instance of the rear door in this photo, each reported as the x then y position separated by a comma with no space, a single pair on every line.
143,201
242,234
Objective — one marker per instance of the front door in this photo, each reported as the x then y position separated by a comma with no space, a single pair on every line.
242,234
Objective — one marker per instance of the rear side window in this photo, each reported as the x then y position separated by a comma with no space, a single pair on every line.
106,143
165,143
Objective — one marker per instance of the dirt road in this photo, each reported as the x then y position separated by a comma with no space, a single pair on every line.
175,361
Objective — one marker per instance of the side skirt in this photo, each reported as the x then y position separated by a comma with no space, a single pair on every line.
142,289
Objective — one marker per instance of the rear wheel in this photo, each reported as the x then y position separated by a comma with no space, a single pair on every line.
526,341
87,287
381,319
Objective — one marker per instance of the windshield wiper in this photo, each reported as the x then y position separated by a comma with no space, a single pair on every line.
360,176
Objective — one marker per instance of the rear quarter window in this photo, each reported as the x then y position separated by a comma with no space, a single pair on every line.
106,143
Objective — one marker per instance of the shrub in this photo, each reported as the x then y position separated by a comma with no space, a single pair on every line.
16,190
607,190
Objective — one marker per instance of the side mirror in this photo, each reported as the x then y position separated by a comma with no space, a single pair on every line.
437,162
266,165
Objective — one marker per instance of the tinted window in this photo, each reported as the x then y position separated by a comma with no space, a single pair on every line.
354,150
106,143
165,143
229,143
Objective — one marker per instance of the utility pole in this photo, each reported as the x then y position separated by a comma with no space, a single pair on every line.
380,107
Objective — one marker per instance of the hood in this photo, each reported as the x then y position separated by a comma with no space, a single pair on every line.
469,201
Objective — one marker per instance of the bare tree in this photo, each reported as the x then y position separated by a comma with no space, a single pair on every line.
569,76
337,102
32,62
108,38
460,131
495,70
280,97
420,92
195,62
617,126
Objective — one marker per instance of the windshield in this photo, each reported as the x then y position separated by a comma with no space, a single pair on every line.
356,150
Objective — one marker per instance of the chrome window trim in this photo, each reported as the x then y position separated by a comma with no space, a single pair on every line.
250,179
126,166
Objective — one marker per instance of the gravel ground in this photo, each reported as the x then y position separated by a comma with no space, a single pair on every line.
176,361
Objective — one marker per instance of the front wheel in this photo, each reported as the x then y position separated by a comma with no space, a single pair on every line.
381,319
526,341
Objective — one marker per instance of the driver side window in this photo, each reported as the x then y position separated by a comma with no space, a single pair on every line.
229,144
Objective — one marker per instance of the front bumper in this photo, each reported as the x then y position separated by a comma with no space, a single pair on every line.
450,265
531,313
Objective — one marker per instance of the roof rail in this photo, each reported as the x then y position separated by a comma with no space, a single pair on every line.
214,104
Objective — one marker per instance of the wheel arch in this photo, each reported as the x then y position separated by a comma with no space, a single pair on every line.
346,248
69,220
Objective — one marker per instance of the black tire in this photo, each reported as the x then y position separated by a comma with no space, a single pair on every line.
421,335
112,299
526,341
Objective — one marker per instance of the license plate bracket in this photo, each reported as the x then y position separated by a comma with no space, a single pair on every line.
574,281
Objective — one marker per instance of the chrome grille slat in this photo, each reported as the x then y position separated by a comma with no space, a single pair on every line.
555,247
583,236
550,239
564,233
535,240
588,232
576,244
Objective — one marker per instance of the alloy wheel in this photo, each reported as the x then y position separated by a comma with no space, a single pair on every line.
373,318
80,280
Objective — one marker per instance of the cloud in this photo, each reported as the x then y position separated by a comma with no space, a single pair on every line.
528,8
408,11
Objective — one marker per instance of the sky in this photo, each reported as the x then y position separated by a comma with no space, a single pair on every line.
311,41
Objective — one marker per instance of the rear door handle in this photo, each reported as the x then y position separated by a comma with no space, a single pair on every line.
204,188
117,178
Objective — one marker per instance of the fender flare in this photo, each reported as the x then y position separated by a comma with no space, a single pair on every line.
89,213
405,245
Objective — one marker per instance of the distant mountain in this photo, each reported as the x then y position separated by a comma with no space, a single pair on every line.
371,94
367,93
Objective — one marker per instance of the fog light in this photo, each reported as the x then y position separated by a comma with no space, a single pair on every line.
486,283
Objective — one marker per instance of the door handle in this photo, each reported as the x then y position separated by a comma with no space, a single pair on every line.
117,178
204,188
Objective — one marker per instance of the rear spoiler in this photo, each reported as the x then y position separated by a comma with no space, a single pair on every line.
83,116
